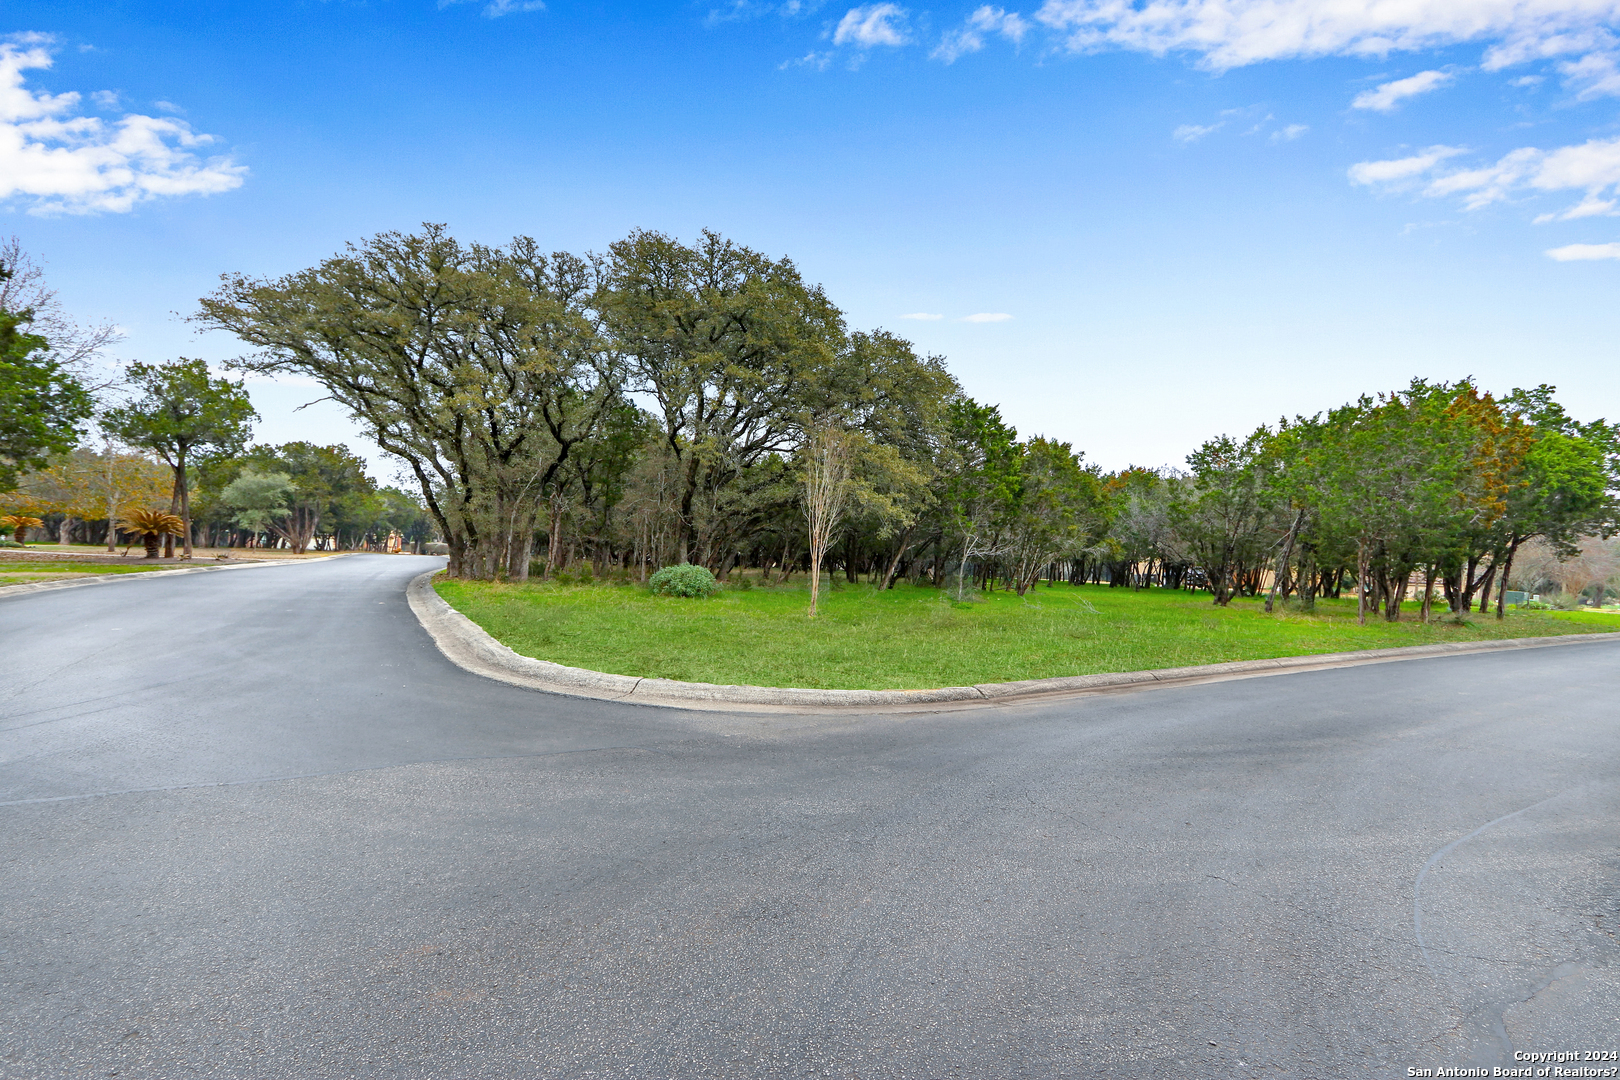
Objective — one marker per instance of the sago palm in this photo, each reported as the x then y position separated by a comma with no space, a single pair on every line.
153,525
20,524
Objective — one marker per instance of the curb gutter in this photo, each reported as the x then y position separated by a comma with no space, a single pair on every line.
104,579
469,646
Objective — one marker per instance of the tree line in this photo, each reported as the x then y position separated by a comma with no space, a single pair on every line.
666,402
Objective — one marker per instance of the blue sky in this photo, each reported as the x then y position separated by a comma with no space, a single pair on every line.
1172,219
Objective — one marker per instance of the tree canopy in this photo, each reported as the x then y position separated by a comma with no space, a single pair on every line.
42,406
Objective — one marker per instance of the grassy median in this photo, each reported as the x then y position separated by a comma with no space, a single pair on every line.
915,638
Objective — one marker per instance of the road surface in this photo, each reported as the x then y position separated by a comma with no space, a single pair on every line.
256,825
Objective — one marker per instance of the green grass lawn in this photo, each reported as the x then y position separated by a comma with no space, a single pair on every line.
17,572
916,638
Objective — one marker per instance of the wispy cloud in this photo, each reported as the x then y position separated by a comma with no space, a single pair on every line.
1593,168
1584,252
871,25
60,161
987,316
1193,132
1225,34
1290,133
496,8
812,59
753,9
923,316
970,38
1386,96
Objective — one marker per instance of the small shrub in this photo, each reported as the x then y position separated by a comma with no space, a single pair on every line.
684,580
741,582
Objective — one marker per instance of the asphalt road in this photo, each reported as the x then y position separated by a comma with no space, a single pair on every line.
254,824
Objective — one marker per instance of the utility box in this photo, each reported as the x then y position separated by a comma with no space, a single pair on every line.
1517,597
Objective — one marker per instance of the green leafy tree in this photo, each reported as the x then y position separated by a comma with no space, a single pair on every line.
42,406
1222,510
259,500
1562,488
183,412
329,485
978,483
1058,510
733,349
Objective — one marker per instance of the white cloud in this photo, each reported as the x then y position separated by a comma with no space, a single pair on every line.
970,38
923,316
1584,252
1593,168
1385,97
1232,33
1290,133
1594,75
988,316
64,162
1389,172
1194,132
106,99
873,24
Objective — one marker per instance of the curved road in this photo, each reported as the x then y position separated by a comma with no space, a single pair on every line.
256,825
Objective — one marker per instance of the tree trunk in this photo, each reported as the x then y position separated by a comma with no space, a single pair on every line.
1502,586
1485,588
1362,567
894,563
1465,600
1283,561
185,501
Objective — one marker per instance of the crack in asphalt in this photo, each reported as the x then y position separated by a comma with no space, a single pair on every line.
1417,886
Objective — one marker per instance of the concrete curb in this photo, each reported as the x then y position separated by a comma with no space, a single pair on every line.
470,647
105,579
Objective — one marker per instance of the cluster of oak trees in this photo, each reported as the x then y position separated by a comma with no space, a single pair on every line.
666,402
658,404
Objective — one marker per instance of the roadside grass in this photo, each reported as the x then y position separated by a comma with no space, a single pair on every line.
919,638
23,573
